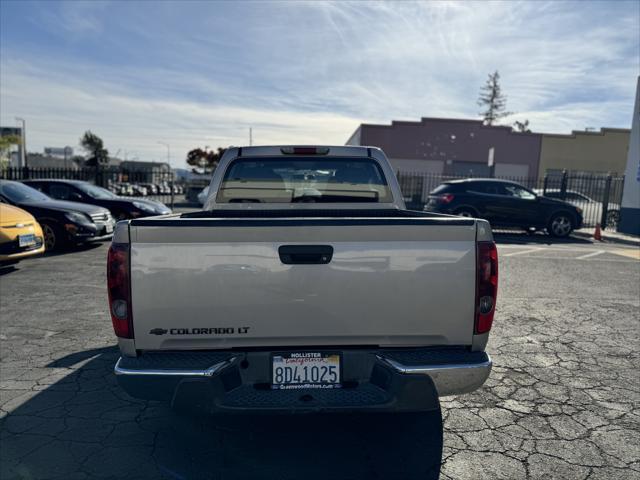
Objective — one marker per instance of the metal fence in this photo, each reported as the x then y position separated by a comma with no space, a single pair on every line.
599,196
155,183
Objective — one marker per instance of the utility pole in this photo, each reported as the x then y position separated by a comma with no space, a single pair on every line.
250,136
168,151
66,156
170,171
23,149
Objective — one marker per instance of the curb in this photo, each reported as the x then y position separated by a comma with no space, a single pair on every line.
608,238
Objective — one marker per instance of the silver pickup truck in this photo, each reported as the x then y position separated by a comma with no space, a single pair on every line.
303,285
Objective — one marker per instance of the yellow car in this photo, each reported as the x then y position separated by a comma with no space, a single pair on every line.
20,235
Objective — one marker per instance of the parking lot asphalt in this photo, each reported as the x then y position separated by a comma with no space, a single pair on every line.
562,401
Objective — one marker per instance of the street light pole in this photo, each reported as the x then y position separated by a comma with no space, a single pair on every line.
23,160
168,151
169,162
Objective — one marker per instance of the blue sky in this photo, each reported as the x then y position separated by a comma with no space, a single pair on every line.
201,73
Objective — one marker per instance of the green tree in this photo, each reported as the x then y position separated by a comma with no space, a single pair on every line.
522,127
493,100
205,158
93,144
6,143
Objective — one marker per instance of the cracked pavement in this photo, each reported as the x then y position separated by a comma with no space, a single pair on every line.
562,401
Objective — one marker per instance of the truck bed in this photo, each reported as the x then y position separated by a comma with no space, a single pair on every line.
218,279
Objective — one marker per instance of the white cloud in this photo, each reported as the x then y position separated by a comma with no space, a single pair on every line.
57,113
75,18
311,72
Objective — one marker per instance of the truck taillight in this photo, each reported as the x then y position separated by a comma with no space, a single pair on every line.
118,282
486,285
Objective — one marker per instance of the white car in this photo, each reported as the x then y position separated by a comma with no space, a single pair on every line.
591,209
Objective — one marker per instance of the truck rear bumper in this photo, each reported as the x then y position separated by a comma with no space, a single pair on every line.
374,380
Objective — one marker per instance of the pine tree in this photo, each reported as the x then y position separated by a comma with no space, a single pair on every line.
494,101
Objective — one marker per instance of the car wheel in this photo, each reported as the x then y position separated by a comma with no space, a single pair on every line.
52,237
560,225
613,218
465,212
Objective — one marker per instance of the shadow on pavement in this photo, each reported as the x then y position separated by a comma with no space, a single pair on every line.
68,249
84,426
5,269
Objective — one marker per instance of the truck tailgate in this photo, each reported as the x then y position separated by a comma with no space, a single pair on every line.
221,283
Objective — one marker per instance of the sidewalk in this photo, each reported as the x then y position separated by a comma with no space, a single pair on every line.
609,237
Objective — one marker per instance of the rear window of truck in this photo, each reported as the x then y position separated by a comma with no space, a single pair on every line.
304,180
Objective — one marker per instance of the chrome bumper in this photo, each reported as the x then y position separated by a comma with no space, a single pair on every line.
450,378
375,379
207,372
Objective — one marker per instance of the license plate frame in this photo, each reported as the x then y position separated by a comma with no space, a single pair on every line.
108,228
27,240
295,376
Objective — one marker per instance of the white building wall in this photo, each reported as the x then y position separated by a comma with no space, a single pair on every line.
630,212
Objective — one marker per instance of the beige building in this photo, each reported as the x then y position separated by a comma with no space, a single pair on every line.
585,151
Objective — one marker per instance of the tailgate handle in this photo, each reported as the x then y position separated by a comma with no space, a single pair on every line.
305,254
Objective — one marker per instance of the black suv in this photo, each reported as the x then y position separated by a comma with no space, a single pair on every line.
505,204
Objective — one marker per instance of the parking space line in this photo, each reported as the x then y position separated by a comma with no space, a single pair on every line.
631,252
589,255
522,252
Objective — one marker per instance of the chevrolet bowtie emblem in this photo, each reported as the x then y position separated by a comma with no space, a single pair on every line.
158,331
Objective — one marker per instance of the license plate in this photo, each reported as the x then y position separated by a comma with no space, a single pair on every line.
109,228
305,370
26,240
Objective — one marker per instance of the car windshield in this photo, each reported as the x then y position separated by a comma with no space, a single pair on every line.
299,179
19,193
95,192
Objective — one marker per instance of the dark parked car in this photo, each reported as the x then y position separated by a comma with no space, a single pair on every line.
505,204
121,208
62,222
